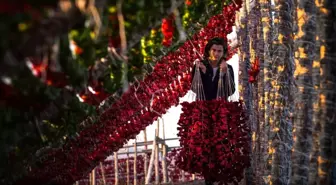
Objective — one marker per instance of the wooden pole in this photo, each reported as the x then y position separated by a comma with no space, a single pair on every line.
163,130
90,178
116,175
103,173
135,175
146,156
183,176
151,162
157,175
164,163
164,154
93,175
127,168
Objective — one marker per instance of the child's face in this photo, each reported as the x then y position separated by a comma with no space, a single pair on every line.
216,52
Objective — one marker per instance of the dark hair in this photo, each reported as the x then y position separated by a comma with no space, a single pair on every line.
215,41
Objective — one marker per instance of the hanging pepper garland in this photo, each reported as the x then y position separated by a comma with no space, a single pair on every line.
93,94
254,71
214,140
188,2
174,172
46,74
137,108
167,28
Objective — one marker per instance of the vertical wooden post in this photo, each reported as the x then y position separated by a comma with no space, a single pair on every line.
116,174
151,162
90,178
127,168
157,175
135,175
164,163
103,173
157,170
163,130
146,156
93,176
164,154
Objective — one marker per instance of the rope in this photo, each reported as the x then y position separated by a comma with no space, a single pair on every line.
223,92
197,84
